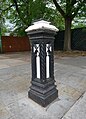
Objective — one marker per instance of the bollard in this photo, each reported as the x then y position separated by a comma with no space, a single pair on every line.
43,89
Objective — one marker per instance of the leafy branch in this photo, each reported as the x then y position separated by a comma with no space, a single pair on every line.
59,8
18,11
78,7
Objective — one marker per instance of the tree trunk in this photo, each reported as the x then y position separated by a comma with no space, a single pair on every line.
67,35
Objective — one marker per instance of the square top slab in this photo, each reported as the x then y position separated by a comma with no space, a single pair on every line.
41,25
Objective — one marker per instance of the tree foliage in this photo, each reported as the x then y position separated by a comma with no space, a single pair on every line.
69,9
21,13
2,19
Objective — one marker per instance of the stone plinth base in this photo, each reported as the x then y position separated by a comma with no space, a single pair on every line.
43,95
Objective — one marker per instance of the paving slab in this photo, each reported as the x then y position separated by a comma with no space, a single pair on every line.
78,110
12,62
15,78
3,66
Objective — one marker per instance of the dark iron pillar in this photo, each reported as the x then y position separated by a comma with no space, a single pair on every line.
43,90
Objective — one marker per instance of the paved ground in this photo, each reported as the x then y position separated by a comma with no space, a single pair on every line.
15,77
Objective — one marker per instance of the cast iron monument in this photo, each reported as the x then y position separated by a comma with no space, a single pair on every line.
41,35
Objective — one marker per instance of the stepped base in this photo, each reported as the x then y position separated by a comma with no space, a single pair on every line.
43,96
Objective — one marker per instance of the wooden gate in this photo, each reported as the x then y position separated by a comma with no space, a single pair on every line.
15,44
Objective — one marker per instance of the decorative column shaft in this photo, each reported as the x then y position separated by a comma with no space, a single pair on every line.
42,90
43,62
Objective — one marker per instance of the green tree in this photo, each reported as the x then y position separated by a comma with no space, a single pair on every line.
21,13
3,8
69,9
1,24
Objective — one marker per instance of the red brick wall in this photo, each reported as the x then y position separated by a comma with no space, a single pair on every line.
15,44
